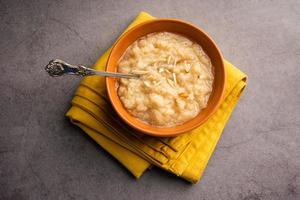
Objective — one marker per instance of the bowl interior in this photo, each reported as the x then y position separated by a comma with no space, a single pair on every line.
189,31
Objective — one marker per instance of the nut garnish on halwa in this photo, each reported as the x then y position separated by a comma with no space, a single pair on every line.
176,79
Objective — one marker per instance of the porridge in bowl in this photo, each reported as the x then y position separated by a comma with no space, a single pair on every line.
175,83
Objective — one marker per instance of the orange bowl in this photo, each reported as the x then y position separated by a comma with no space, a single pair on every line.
188,30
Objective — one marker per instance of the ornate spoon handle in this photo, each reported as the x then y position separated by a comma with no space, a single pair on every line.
59,67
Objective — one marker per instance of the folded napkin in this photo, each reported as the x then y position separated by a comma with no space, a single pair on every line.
185,155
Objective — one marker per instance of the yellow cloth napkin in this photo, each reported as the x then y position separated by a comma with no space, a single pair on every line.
185,155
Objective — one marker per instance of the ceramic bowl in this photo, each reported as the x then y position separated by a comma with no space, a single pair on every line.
188,30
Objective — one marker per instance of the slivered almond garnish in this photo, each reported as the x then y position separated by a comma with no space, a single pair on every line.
169,59
175,62
167,71
171,83
147,83
151,77
160,70
140,72
183,94
174,78
187,66
157,83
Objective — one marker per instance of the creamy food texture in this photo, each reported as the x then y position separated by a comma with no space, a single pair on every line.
176,79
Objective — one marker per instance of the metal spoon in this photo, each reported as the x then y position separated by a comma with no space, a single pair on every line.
58,68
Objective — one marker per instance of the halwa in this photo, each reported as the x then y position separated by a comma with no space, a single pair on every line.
175,83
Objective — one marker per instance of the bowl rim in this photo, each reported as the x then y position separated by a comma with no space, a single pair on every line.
175,132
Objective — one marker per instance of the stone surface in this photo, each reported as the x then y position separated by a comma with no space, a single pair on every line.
43,156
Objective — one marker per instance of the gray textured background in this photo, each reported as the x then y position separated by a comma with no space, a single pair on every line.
43,156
